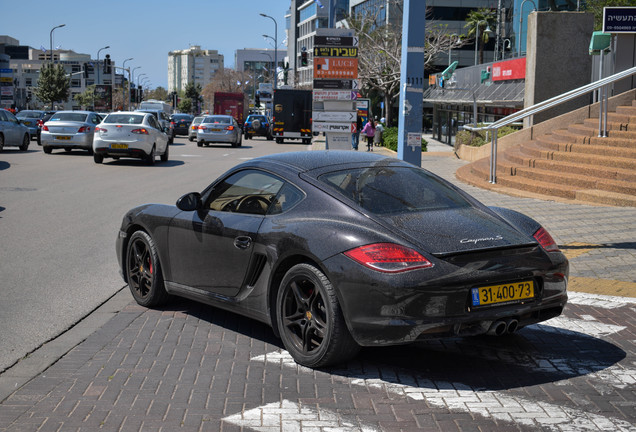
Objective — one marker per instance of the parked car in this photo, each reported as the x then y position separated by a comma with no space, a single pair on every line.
258,125
47,117
12,132
219,129
194,126
337,250
131,134
181,123
69,130
164,120
30,118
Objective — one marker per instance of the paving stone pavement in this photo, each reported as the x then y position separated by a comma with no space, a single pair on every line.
189,367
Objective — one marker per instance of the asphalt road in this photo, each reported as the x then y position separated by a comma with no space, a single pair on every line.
59,217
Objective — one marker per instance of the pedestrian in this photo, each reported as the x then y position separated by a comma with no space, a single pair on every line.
377,138
355,137
369,132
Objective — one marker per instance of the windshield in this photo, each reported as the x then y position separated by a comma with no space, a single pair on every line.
124,118
217,119
28,114
76,117
391,190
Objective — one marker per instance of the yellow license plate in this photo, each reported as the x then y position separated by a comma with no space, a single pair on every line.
505,293
119,146
216,130
63,137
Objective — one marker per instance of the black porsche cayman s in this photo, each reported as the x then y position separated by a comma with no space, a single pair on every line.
337,250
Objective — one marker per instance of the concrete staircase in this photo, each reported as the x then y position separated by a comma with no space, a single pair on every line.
571,163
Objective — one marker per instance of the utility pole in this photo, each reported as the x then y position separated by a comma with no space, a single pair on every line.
412,82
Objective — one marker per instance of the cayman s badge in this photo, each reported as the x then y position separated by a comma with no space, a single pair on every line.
477,240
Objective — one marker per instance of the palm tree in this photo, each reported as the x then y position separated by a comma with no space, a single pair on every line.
481,18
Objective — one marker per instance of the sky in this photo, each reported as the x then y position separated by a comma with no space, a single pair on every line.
145,30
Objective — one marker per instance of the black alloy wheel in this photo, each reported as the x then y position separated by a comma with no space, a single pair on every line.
310,321
143,271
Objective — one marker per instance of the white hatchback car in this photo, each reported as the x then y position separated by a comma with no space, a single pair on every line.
132,134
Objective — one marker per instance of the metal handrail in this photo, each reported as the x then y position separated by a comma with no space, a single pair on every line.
547,104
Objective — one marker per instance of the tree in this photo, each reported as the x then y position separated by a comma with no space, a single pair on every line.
159,93
380,51
596,7
482,19
227,80
53,85
185,106
87,99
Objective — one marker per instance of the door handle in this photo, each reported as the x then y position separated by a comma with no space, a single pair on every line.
242,242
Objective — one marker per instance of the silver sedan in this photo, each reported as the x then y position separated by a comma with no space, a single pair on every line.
70,130
219,129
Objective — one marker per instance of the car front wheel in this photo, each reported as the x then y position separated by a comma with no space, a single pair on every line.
310,320
143,271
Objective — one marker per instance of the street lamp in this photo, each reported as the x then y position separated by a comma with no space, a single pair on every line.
450,45
275,46
487,31
51,40
133,74
521,21
98,68
123,88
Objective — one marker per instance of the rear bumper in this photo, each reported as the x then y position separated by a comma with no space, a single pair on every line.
76,141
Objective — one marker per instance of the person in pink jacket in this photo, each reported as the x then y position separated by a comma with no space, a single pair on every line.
369,131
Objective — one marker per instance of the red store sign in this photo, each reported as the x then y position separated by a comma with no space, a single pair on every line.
509,70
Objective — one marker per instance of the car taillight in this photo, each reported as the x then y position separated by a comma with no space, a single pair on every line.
388,257
45,128
98,129
84,129
201,127
172,123
141,131
545,240
40,123
229,128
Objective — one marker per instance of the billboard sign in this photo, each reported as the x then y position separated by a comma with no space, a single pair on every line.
103,98
509,70
331,67
335,52
336,41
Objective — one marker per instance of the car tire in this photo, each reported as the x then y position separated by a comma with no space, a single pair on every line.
269,137
310,321
150,159
200,143
90,151
47,149
190,139
279,140
1,142
98,158
143,271
25,142
164,156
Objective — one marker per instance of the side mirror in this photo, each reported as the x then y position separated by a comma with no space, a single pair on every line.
190,202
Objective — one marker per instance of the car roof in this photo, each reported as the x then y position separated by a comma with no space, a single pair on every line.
332,159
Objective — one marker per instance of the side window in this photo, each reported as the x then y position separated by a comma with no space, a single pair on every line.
153,122
2,116
288,197
248,192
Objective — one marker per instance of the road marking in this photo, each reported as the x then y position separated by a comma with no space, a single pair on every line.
189,155
458,396
599,300
290,416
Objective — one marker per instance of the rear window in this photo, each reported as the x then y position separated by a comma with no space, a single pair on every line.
392,190
124,119
28,114
217,119
259,118
197,120
76,117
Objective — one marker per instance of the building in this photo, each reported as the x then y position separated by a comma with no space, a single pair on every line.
193,65
21,65
259,63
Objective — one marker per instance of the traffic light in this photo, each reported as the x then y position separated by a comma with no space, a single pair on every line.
107,66
304,61
257,100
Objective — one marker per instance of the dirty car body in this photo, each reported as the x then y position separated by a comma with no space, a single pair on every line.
337,250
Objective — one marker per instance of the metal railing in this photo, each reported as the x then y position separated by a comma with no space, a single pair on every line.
550,103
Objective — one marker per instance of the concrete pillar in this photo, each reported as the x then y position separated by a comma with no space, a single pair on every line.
557,59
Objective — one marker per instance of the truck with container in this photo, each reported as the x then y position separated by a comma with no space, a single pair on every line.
233,104
291,116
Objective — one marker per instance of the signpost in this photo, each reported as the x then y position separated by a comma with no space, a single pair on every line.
335,86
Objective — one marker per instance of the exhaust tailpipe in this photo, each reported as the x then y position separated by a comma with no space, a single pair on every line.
497,328
512,325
